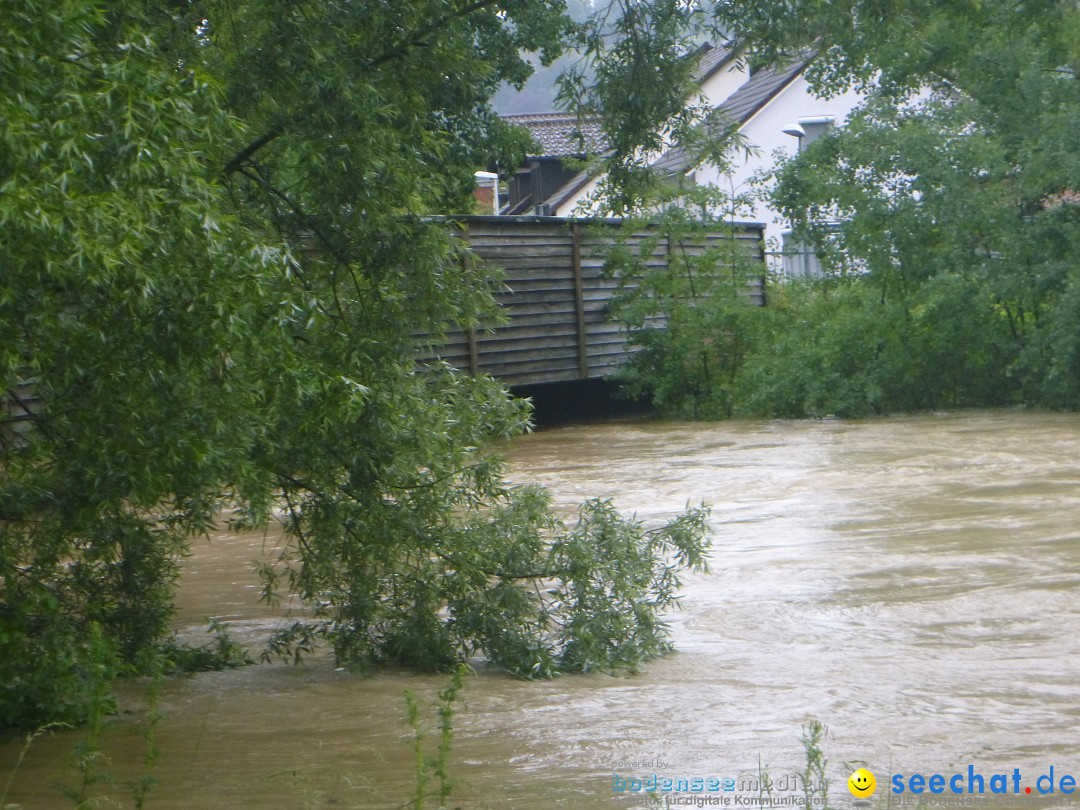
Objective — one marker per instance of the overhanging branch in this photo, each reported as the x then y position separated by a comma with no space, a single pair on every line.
414,40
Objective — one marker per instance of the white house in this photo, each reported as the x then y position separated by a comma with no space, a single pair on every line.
775,111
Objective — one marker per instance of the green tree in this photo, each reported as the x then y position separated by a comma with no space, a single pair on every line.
946,211
953,189
219,280
693,319
636,76
692,323
127,296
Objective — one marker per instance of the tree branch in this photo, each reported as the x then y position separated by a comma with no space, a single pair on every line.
416,39
30,414
245,154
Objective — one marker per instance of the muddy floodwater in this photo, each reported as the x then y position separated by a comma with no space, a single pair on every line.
913,583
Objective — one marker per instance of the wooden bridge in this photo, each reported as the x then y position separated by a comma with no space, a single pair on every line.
556,298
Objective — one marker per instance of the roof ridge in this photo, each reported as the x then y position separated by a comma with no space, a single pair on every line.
561,134
553,114
748,99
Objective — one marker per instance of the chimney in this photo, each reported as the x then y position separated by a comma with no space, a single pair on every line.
487,193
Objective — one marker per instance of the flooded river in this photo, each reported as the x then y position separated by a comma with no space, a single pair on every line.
913,583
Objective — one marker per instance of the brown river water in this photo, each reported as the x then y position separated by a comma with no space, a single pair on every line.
913,583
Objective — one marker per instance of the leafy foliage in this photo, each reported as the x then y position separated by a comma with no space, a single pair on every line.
219,276
508,580
840,349
615,577
121,301
945,212
427,766
221,652
692,321
636,77
953,190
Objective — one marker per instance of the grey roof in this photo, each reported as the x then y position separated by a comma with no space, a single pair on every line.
713,57
560,134
569,189
739,108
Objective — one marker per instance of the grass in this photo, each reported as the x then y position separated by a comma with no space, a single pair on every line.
428,768
815,781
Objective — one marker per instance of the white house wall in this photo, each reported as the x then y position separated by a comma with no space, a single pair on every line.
580,204
765,132
714,91
718,88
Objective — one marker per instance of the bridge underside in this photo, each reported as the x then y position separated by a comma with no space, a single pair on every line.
558,403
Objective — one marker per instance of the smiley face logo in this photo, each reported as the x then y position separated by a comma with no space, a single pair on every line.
862,783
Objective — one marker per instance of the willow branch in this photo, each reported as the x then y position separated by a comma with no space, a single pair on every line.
416,39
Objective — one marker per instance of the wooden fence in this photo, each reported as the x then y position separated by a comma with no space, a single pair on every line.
556,298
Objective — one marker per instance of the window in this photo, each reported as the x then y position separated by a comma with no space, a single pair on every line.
799,260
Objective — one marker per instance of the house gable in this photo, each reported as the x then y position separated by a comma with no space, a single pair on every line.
762,105
559,136
763,129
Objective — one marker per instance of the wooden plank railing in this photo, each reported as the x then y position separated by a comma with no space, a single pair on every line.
557,296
